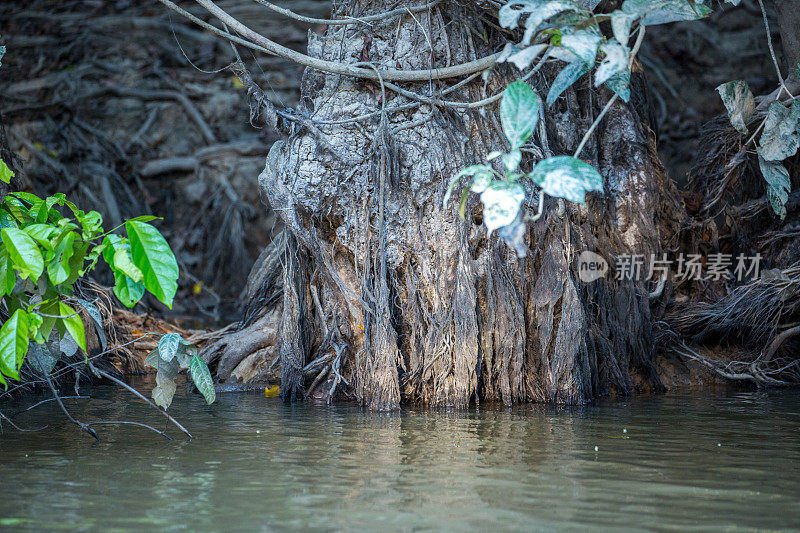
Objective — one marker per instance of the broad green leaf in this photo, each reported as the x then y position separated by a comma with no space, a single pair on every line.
185,353
567,177
14,338
72,322
613,64
472,170
123,263
739,102
519,113
7,277
168,346
202,379
127,290
41,233
75,265
583,44
152,255
24,252
58,269
778,185
5,173
664,11
568,75
17,209
501,203
164,390
779,139
537,11
7,220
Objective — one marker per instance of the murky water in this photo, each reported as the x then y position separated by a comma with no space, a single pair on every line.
711,461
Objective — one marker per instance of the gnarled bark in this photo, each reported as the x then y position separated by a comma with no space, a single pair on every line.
416,304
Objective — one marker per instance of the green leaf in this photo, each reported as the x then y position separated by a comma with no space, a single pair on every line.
58,268
127,290
523,58
568,75
24,252
664,11
778,185
41,233
621,25
7,277
17,209
168,346
501,203
583,44
144,218
124,263
202,379
14,338
519,113
613,64
567,177
5,173
537,11
779,139
164,390
472,170
72,322
739,102
92,224
152,255
620,84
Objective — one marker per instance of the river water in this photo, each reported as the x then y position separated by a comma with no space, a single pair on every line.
723,460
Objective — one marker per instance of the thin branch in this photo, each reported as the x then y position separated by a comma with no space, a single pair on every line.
341,22
141,396
772,50
128,422
258,42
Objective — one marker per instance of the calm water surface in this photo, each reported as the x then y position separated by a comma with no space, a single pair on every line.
708,461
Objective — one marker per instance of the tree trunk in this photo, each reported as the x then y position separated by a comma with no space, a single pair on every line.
393,296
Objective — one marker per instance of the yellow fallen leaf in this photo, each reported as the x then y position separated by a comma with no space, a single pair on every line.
271,392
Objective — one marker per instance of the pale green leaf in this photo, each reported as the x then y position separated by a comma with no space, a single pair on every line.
739,102
501,203
472,170
583,44
202,379
519,113
664,11
568,75
613,64
168,346
778,185
567,177
58,268
164,390
521,58
621,25
7,277
779,139
537,11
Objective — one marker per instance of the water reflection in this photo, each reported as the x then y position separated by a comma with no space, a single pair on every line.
723,461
